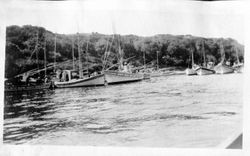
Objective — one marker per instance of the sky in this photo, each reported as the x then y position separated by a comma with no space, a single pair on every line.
140,17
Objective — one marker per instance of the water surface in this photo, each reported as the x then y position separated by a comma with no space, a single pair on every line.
173,111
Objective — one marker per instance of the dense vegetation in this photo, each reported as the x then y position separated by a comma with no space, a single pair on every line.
25,49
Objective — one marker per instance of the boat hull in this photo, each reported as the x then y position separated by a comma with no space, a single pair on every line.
223,69
239,69
146,76
87,82
156,74
114,77
190,72
204,71
27,88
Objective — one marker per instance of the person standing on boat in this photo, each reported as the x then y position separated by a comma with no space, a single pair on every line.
67,77
46,79
125,67
27,80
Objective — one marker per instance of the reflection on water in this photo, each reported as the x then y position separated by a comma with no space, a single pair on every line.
174,111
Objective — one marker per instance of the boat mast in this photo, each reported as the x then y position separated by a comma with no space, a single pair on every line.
87,56
222,52
55,54
37,50
192,55
79,57
45,57
157,60
237,55
144,60
121,56
73,54
204,55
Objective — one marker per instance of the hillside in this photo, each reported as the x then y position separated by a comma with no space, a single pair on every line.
26,49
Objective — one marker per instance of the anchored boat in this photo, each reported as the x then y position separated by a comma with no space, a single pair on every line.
72,78
30,80
31,87
223,69
204,70
239,68
191,71
114,77
124,73
68,81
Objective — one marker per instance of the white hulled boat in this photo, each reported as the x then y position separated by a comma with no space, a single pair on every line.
192,70
124,73
223,69
69,82
238,67
204,70
115,77
65,78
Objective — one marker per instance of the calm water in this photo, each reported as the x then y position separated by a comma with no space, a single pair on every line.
173,111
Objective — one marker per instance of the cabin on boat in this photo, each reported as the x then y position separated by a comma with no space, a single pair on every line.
126,68
66,75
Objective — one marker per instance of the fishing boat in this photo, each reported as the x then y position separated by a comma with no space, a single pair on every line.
26,88
238,66
157,72
223,68
68,80
124,73
204,70
192,70
72,78
115,77
30,80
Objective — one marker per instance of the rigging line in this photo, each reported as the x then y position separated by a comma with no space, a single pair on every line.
222,52
24,51
107,52
73,52
87,56
37,50
21,50
237,54
104,57
79,57
55,54
109,49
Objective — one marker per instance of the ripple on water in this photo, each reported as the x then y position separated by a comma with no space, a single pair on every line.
222,113
126,112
